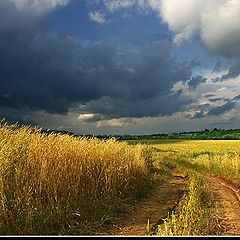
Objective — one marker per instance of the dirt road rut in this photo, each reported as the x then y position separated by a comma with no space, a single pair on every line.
227,205
166,197
154,208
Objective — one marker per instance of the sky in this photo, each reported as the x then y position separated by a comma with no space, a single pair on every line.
120,67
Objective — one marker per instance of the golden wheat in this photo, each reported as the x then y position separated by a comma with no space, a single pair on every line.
53,184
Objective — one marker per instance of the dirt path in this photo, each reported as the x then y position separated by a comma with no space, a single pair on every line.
166,197
227,204
154,209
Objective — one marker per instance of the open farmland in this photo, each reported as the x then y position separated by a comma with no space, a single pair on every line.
218,157
213,202
53,184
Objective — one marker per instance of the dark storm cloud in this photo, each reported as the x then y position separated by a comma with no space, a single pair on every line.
206,110
217,79
152,107
209,95
237,97
144,87
195,81
216,99
218,67
198,115
200,110
196,62
233,72
34,65
42,70
13,115
221,109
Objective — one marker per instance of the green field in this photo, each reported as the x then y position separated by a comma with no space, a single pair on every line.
217,158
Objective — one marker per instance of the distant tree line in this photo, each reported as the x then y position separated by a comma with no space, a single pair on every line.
213,134
216,134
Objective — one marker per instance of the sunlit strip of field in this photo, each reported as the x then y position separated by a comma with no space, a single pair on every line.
192,146
218,157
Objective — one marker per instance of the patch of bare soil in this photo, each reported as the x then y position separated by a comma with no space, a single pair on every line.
153,209
227,206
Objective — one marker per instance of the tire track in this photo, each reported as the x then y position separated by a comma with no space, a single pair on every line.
227,206
153,209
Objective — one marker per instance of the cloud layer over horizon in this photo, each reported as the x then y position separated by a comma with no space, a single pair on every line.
127,75
48,71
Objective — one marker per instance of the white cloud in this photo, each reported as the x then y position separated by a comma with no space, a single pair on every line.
220,29
98,17
38,6
86,116
182,18
216,21
120,122
111,123
114,5
185,17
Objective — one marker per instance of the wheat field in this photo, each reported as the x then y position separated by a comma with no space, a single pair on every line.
57,184
53,184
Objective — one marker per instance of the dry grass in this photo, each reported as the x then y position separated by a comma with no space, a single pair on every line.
56,184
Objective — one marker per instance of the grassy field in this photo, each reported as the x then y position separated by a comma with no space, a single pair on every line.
219,158
53,184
